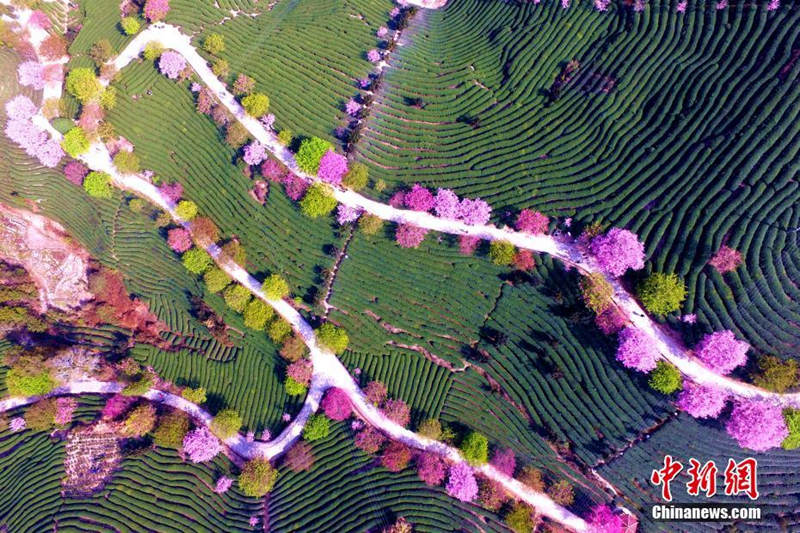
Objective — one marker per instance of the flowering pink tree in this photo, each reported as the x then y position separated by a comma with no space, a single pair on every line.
409,236
611,320
726,260
39,18
461,482
116,406
757,425
364,83
300,371
35,141
65,407
396,456
179,239
20,108
382,32
702,401
601,5
475,212
200,445
375,392
532,222
31,74
75,171
272,170
336,404
418,198
681,7
332,167
369,440
171,191
467,244
171,64
91,116
295,186
523,260
617,251
636,350
17,424
397,411
721,351
254,153
447,204
374,55
398,199
346,214
50,153
223,484
505,461
156,10
431,468
603,520
352,107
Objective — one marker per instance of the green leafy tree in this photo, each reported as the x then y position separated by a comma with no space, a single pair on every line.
519,519
29,381
139,386
256,314
214,44
237,297
662,293
597,292
293,387
75,142
792,417
275,287
318,201
256,104
776,375
370,224
666,378
171,429
257,478
216,279
285,137
357,177
83,84
186,209
126,162
226,424
236,135
140,421
430,428
310,152
101,51
278,330
317,427
333,338
475,448
41,415
98,184
196,260
153,50
195,395
501,252
221,68
130,25
108,98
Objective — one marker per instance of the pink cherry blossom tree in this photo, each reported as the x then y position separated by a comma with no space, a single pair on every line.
17,424
375,392
295,186
467,244
352,107
475,212
532,222
332,168
431,468
156,10
300,371
31,74
369,440
20,108
171,191
336,404
721,351
346,214
409,236
397,411
636,350
611,320
726,260
702,401
374,55
171,64
461,482
398,199
65,407
757,425
419,198
116,406
39,18
617,251
254,153
504,461
272,170
179,239
200,445
447,204
75,171
223,484
603,520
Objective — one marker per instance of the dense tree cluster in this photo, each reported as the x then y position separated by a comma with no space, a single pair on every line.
757,425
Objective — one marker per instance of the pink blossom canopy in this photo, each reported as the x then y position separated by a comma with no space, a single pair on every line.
156,10
254,153
604,520
447,204
617,251
374,56
336,404
467,244
431,468
352,107
721,351
397,411
382,32
171,64
398,199
20,108
300,371
39,18
532,222
200,445
461,483
179,239
75,171
702,401
35,141
418,198
475,212
611,320
65,407
409,236
295,186
172,191
116,406
346,214
17,424
31,74
504,461
636,350
332,167
757,425
223,484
